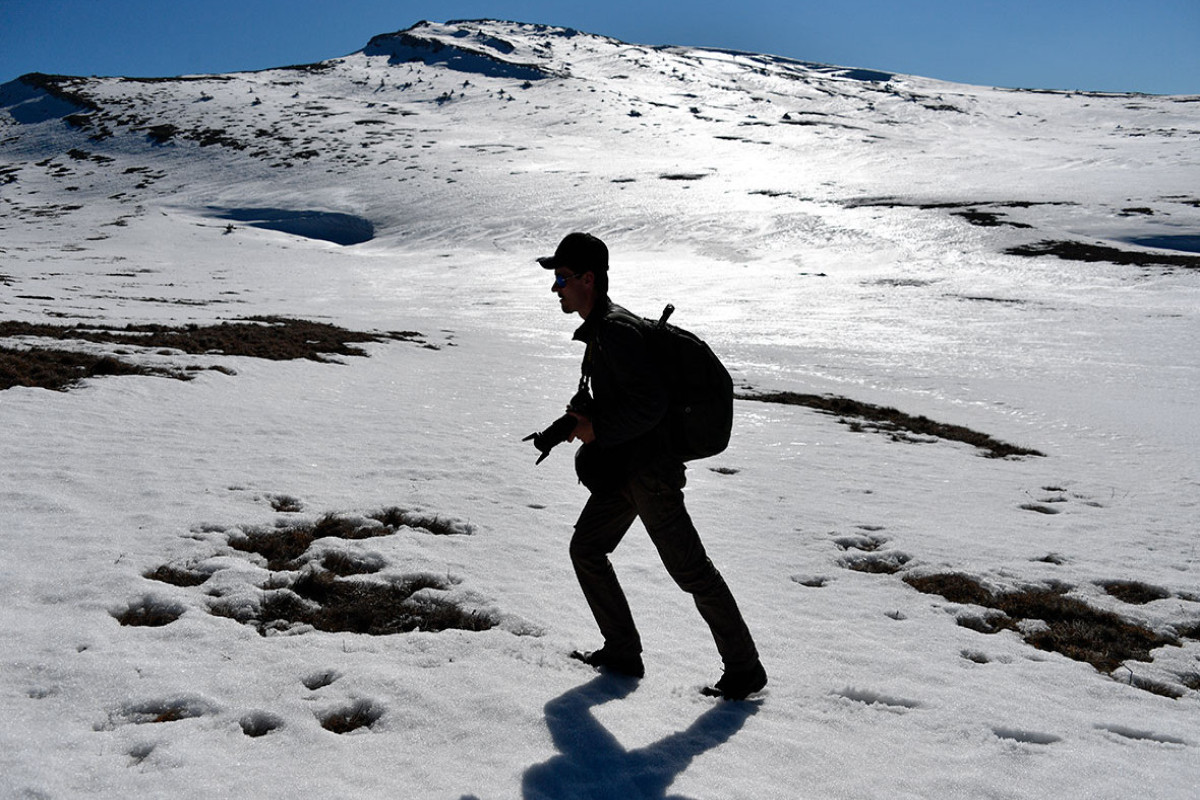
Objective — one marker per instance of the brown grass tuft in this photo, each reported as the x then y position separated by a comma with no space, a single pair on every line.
274,338
59,370
395,518
281,547
897,424
326,590
1072,627
333,604
343,564
176,576
1135,592
150,612
954,586
888,563
1082,251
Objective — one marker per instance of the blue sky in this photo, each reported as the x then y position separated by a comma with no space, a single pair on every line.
1104,45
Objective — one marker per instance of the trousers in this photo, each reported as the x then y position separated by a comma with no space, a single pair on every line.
656,497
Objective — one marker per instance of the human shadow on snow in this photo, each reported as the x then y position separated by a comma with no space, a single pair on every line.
591,762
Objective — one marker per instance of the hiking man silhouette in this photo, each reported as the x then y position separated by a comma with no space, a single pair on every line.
627,465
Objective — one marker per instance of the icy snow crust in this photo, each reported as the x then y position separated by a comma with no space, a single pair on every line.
826,230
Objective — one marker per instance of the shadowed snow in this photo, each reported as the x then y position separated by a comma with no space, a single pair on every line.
328,226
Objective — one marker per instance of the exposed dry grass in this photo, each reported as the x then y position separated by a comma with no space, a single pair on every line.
1135,592
888,563
343,563
177,576
1092,253
887,420
59,370
1079,631
1072,627
149,612
274,338
1190,630
284,545
396,518
285,504
954,586
329,593
377,608
359,606
281,547
346,527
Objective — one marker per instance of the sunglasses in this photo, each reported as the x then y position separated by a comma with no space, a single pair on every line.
561,280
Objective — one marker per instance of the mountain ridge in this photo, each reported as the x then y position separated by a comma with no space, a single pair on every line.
492,116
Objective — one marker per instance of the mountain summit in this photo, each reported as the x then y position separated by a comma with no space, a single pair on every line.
471,47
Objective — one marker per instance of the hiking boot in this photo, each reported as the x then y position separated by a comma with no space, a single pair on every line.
739,684
623,663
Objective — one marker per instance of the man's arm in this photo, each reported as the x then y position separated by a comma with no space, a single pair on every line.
584,431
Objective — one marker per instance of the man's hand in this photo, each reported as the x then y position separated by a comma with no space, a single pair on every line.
583,430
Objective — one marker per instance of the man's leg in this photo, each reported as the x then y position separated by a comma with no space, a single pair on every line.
659,503
604,521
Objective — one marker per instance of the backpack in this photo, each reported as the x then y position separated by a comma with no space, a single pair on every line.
700,412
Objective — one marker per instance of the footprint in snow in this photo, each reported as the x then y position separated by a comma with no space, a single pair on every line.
1141,736
362,713
157,711
260,723
319,680
1026,737
872,698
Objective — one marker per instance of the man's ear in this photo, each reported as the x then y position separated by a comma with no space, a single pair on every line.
588,279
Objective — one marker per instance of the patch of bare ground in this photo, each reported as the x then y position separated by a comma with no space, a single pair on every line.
1092,253
972,212
328,588
899,426
1134,592
270,337
59,370
273,338
149,611
285,545
888,563
378,608
1048,619
177,575
285,504
325,601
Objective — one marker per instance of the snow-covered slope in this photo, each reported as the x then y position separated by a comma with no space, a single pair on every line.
499,119
1017,263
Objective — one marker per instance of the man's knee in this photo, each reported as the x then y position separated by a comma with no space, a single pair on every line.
701,578
585,552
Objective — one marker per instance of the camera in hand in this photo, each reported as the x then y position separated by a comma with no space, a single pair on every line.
561,428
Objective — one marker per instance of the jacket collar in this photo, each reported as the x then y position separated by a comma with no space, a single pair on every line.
587,331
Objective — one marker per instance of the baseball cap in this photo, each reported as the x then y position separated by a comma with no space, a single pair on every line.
578,252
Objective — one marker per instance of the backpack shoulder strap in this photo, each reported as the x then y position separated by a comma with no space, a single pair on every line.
585,369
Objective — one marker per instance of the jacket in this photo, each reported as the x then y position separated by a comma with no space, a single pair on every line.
629,398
